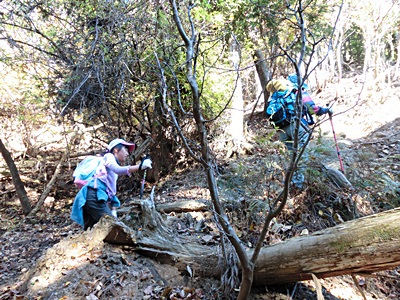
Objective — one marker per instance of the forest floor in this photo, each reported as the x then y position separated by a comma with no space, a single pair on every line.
369,140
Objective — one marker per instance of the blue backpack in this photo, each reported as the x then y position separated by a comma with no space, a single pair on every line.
89,168
280,108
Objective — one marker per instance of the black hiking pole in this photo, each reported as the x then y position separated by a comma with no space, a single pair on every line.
337,146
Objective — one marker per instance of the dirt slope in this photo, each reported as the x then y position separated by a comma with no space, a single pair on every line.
369,140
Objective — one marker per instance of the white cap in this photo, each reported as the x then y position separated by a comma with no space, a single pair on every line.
113,143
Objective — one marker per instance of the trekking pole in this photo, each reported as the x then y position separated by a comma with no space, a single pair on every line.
143,181
337,146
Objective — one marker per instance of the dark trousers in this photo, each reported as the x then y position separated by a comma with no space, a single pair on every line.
94,209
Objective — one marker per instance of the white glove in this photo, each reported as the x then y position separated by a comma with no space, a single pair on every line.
145,164
114,212
330,112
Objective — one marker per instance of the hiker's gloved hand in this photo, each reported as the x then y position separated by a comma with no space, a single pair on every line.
146,163
114,212
330,112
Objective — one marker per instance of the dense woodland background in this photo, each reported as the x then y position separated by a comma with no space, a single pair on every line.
76,74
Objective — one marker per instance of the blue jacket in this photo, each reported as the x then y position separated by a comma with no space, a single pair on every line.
307,100
80,200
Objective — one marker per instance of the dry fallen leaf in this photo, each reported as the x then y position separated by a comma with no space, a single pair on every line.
148,290
189,271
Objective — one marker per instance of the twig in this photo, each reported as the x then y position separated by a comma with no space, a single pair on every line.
7,192
294,290
50,184
358,286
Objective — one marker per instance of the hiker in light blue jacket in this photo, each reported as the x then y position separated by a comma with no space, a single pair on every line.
98,196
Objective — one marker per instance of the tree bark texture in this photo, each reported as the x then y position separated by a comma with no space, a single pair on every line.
364,245
183,206
19,185
263,74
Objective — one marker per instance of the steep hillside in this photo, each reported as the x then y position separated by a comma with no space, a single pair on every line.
367,127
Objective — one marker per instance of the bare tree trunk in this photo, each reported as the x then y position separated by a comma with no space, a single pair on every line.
177,207
367,59
162,146
184,206
397,66
263,74
205,158
237,115
19,185
364,245
338,56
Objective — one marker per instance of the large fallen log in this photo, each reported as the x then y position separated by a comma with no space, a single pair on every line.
177,207
183,206
364,245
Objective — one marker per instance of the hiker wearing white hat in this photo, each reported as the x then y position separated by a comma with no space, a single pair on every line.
98,196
